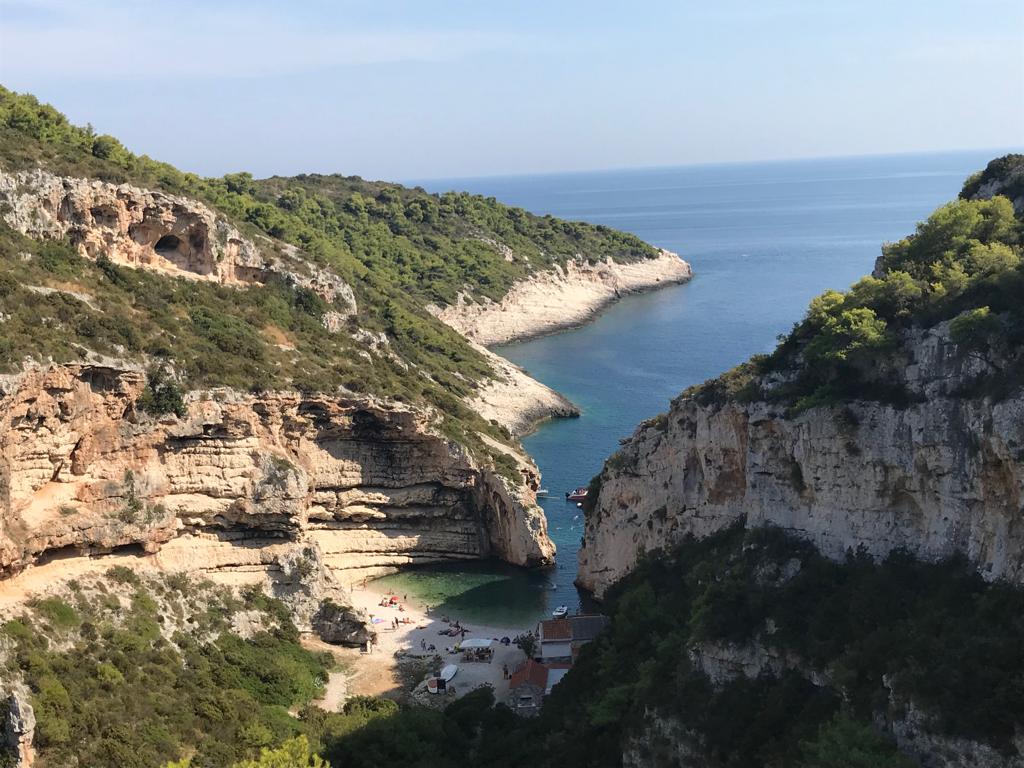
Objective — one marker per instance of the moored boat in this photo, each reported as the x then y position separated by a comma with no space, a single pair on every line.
576,494
560,612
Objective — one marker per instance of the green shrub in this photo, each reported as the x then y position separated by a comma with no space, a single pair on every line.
975,328
59,614
126,696
845,743
162,394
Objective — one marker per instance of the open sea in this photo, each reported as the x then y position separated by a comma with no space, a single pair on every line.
763,239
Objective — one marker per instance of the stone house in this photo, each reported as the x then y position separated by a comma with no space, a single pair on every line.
531,682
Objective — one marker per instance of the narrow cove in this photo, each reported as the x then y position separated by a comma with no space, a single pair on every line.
763,239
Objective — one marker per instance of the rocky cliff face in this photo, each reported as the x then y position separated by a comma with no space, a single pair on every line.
17,726
147,229
235,485
942,475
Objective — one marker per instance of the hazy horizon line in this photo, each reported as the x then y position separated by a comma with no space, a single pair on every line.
417,181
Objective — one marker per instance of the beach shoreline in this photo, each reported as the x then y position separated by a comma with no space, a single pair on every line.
384,669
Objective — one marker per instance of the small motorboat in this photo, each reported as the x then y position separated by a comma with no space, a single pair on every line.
560,612
576,494
542,492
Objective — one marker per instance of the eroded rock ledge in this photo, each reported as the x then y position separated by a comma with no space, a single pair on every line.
143,228
940,476
560,298
234,486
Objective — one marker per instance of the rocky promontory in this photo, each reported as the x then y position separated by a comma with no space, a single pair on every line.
561,298
889,419
939,476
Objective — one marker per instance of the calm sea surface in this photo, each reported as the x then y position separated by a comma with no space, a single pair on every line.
763,240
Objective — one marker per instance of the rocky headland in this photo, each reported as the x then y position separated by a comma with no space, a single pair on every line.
561,298
241,486
940,476
922,452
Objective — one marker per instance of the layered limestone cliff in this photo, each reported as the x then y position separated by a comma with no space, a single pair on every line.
944,474
233,486
144,228
560,298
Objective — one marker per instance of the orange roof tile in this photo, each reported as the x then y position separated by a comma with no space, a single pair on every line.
556,629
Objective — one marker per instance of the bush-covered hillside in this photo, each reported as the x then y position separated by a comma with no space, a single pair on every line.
944,639
962,264
132,672
429,246
400,249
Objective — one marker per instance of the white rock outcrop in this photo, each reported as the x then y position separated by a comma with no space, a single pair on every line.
560,298
143,228
515,400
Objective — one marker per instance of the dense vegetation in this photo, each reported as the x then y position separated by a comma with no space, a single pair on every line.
132,673
115,684
963,264
886,636
943,638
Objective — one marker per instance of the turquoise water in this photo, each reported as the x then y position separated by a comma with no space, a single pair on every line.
763,240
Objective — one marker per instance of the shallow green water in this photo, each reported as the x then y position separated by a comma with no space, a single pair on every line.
487,593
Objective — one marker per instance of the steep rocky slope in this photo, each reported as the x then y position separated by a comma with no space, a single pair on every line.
370,483
890,419
942,475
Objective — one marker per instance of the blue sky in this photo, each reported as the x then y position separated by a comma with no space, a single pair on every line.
419,89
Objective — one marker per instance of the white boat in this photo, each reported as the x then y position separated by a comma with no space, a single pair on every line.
542,492
560,612
448,672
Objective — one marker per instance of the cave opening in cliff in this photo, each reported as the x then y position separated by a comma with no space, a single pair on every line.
169,245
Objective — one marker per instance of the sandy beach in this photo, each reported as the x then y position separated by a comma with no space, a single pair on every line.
402,656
